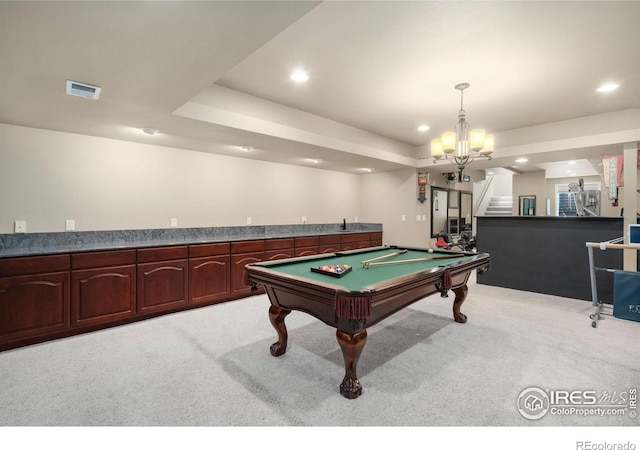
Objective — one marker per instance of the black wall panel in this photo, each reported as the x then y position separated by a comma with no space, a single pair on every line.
549,254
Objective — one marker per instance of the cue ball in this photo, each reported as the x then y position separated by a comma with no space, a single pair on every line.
430,250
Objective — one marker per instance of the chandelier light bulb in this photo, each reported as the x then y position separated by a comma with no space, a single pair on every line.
436,149
476,138
449,142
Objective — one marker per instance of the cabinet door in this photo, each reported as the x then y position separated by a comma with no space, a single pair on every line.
329,248
238,286
33,305
272,255
209,279
162,286
102,295
306,251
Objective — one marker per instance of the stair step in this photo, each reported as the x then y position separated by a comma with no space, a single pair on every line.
500,206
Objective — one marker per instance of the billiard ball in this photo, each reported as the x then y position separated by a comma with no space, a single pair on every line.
430,250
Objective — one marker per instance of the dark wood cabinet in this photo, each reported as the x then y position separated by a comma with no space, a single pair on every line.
307,245
209,273
162,279
52,296
34,297
355,241
243,253
103,287
280,248
330,243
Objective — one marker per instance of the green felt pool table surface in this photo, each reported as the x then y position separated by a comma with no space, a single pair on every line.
380,271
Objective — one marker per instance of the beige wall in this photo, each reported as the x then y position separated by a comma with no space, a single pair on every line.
386,197
530,183
47,177
104,184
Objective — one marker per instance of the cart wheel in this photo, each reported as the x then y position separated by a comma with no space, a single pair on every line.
591,316
594,324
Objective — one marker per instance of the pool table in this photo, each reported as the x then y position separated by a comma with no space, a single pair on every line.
371,291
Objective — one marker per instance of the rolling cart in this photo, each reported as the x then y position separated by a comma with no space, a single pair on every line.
598,304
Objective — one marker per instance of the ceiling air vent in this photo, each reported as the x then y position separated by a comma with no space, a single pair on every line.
83,90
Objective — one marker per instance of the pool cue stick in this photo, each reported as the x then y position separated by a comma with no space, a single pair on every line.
413,260
367,261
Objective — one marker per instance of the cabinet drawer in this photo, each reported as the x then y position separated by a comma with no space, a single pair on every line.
330,239
355,237
278,244
162,253
307,241
103,259
247,246
33,264
201,250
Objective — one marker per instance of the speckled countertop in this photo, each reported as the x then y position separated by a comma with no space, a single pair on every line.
31,244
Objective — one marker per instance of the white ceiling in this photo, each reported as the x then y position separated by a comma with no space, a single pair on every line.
213,76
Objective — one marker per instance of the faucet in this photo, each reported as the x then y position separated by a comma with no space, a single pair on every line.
344,224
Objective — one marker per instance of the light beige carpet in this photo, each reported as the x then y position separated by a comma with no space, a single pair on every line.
212,367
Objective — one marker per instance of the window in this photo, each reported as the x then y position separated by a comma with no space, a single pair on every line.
565,199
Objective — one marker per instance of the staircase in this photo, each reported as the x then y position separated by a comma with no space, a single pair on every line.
500,206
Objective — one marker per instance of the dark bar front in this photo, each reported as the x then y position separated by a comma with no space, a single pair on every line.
548,255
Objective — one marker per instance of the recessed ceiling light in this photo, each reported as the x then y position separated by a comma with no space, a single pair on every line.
299,76
522,160
571,162
608,87
422,128
247,148
149,131
365,169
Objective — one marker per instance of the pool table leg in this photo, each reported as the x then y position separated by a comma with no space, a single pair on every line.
351,346
461,294
276,316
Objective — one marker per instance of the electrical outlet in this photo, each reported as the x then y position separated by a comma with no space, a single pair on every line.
304,219
355,219
69,225
20,226
174,222
403,218
248,220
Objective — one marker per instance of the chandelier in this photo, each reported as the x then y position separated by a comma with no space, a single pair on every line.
462,146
